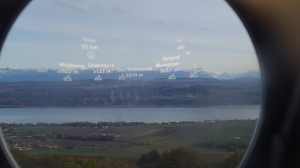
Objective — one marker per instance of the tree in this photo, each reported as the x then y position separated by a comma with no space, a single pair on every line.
181,157
233,159
23,159
147,160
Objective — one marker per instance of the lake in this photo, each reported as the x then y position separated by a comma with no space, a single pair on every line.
148,115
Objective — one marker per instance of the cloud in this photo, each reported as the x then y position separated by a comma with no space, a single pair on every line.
117,11
205,29
96,7
158,23
68,6
180,23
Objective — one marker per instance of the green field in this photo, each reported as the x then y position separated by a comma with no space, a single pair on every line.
132,141
34,129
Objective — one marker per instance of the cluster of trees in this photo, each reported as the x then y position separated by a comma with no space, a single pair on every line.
180,157
183,157
230,146
119,123
233,160
80,124
12,124
76,124
116,124
174,158
141,143
92,137
25,160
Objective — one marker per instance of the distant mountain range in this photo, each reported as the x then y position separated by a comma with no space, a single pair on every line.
251,74
20,75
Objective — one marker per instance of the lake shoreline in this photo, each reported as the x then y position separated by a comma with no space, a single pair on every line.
135,106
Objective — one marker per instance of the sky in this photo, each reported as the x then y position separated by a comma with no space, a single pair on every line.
129,33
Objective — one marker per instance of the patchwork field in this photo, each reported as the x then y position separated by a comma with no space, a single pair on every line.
130,142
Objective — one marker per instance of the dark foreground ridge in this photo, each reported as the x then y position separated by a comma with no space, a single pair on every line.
132,93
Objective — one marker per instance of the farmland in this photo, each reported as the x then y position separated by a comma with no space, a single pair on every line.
212,139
